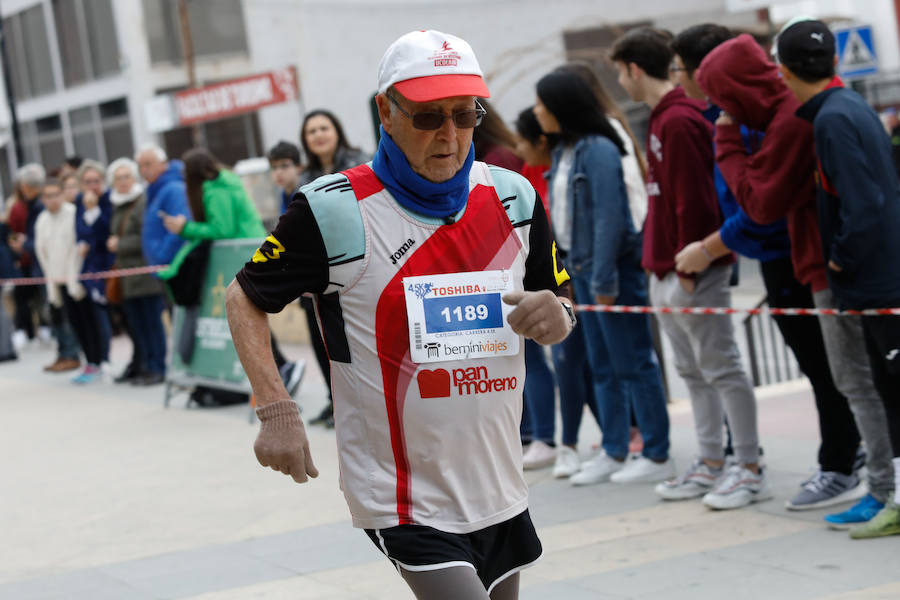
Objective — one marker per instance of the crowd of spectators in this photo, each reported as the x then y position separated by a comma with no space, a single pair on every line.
775,161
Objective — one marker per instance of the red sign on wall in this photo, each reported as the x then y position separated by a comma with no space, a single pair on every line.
236,97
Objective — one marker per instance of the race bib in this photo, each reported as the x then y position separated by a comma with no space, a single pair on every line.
458,316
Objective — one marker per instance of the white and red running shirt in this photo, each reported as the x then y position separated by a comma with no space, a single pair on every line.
435,444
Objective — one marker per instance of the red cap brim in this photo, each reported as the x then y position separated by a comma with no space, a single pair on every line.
437,87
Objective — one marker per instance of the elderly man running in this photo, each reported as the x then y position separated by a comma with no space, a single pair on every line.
427,268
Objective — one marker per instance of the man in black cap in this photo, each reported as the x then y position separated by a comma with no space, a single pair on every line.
859,214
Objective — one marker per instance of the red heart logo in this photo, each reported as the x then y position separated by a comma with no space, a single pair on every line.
434,384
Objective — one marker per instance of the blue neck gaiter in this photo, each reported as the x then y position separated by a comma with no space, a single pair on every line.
414,192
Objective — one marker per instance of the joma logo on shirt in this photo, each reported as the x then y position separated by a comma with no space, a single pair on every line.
471,380
402,250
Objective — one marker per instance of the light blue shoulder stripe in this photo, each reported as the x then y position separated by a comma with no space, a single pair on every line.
336,210
516,194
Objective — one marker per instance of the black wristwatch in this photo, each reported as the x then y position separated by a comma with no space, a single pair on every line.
569,311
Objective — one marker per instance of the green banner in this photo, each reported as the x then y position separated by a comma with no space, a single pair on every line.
214,362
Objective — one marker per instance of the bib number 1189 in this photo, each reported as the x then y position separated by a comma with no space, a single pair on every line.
462,313
467,312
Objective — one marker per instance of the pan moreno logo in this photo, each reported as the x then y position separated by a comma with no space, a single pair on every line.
440,383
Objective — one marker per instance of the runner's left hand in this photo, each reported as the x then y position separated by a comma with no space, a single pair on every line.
539,316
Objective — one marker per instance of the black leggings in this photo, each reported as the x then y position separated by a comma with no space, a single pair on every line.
837,426
24,296
83,319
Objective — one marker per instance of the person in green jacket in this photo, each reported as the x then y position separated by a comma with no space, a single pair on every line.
222,210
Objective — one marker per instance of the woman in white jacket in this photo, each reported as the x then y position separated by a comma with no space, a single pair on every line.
56,250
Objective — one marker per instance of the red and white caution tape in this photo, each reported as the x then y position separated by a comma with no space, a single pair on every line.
87,276
697,310
642,310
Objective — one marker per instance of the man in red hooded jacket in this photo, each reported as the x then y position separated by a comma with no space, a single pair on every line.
778,181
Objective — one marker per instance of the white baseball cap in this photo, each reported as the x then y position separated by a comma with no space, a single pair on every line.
430,65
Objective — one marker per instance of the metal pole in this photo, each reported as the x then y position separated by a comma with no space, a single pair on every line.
10,96
187,43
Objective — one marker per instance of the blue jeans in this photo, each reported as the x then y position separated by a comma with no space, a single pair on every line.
625,370
67,343
540,395
144,315
576,384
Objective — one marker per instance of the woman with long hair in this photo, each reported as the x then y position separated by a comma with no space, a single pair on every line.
634,165
594,228
221,210
325,147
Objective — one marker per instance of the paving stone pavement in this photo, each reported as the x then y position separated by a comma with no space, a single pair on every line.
107,495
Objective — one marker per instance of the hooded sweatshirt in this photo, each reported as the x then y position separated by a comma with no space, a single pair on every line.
166,194
683,206
778,180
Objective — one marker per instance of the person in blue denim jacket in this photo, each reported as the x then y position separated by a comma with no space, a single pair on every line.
593,226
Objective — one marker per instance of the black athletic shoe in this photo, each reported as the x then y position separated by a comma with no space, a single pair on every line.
130,373
149,379
326,418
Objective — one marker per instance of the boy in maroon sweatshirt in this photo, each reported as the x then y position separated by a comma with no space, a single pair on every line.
778,181
684,207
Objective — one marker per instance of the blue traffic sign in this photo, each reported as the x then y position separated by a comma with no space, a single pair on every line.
856,51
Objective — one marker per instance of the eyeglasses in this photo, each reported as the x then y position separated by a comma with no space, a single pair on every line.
463,119
676,69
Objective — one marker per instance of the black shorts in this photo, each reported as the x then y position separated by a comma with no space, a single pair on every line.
495,552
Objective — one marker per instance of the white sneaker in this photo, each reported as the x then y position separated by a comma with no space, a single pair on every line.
699,479
45,335
19,339
740,487
596,470
567,463
644,470
538,456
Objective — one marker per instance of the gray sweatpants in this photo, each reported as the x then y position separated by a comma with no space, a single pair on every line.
707,358
849,363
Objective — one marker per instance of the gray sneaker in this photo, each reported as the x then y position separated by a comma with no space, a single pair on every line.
696,481
738,488
827,488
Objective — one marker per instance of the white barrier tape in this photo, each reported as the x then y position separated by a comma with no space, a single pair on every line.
696,310
87,276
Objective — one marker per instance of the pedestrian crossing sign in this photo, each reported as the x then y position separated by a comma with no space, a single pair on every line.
856,51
